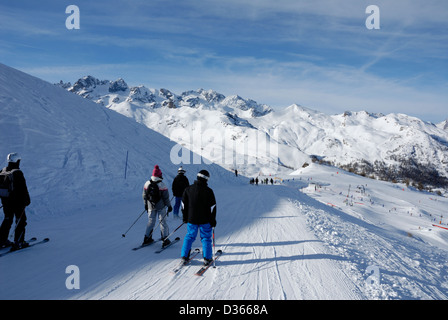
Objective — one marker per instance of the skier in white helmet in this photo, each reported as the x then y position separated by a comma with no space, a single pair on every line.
14,204
180,182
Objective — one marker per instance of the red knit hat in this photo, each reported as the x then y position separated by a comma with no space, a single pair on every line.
157,172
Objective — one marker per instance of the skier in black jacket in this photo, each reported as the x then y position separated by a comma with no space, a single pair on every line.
180,182
199,211
15,205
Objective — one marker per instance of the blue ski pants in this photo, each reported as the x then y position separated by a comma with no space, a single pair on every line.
177,206
206,232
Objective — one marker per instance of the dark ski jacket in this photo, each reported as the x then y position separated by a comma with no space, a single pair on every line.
19,198
180,182
199,204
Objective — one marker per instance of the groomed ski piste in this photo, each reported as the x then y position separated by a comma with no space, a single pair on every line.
321,233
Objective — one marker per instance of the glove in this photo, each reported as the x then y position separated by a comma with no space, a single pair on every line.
170,208
146,206
213,223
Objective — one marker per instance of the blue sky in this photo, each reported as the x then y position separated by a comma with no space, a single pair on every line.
318,54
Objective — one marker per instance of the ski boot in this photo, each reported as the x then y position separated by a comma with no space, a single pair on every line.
6,244
19,245
166,242
185,260
147,240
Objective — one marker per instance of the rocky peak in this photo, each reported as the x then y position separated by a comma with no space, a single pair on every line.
85,83
165,93
141,94
212,96
118,85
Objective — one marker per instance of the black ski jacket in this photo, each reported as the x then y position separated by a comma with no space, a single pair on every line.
199,204
19,198
180,182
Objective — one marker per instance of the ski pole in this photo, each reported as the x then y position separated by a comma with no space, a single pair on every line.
124,234
175,230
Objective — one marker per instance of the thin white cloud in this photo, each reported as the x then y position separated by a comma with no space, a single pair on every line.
24,22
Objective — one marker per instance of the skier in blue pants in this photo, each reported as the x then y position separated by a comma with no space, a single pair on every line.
199,212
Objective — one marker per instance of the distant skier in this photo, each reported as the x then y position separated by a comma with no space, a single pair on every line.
156,198
14,205
180,182
199,211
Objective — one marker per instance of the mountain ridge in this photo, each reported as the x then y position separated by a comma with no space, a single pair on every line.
392,147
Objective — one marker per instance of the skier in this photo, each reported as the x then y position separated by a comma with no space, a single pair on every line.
199,212
180,182
14,205
156,208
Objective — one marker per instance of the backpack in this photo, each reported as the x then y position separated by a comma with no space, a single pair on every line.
153,193
6,183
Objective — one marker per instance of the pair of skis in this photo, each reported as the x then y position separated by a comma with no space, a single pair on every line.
163,247
159,250
32,242
182,264
203,269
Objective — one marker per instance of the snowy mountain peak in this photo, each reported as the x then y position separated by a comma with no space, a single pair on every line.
210,96
394,147
298,111
443,125
86,83
118,85
141,94
255,109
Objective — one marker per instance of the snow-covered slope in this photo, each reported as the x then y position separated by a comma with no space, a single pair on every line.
302,238
389,147
74,150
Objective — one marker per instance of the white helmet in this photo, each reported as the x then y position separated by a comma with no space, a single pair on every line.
13,157
181,170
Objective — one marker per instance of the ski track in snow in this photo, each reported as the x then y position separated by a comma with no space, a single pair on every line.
260,260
